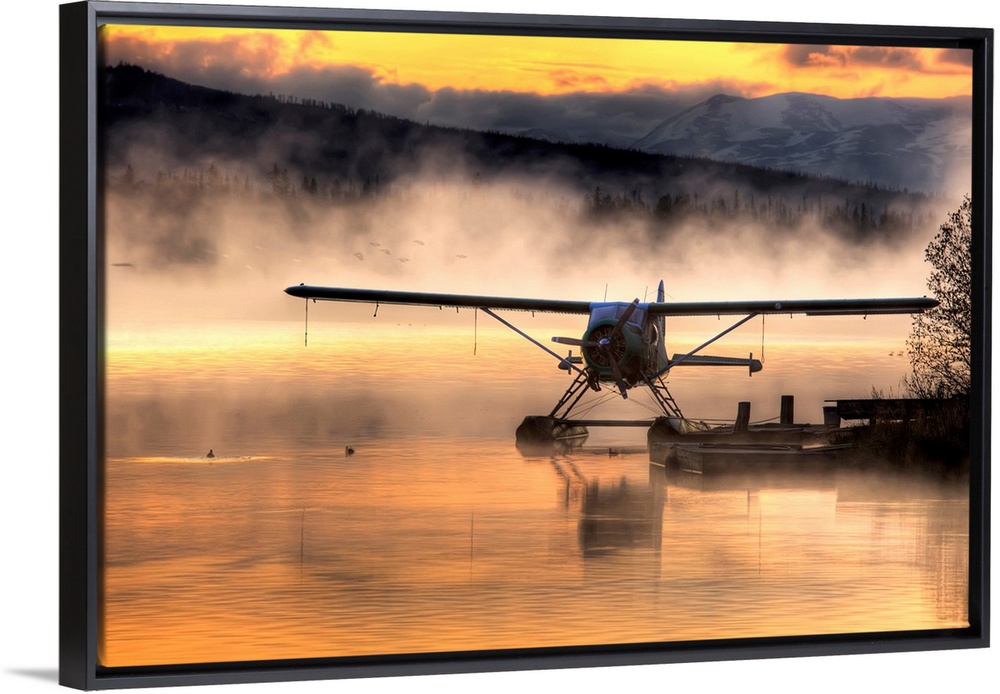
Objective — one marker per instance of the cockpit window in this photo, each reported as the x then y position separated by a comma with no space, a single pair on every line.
604,312
614,310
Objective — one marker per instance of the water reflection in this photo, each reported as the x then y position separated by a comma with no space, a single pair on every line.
427,544
621,516
437,534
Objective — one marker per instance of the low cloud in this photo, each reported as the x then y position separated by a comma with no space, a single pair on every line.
959,57
860,57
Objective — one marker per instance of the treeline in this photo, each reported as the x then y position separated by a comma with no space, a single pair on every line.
856,217
276,183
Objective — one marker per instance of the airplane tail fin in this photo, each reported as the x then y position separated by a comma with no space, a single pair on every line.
661,327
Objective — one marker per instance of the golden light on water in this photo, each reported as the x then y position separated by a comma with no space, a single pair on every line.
436,534
380,355
402,550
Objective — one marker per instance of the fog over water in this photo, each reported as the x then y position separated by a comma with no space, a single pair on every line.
213,264
505,238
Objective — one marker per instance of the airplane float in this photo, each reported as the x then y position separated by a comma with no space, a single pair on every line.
623,344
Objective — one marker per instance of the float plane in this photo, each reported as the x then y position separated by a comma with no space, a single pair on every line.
623,344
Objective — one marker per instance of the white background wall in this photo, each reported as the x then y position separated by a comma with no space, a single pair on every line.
29,385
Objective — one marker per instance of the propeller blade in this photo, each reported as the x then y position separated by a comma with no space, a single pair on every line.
574,341
626,314
619,381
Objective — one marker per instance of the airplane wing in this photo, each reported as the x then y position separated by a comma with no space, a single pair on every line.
382,296
810,307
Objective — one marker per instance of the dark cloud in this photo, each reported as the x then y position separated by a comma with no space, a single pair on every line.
245,67
815,56
216,63
956,56
355,87
811,56
619,118
884,56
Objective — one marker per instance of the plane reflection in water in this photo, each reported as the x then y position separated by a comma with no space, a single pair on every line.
619,514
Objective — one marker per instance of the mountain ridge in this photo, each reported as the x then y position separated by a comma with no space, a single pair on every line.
324,138
903,142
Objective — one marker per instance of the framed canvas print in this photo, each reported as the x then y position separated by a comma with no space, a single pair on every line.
426,342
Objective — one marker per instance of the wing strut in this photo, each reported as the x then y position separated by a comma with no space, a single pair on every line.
532,340
763,322
674,362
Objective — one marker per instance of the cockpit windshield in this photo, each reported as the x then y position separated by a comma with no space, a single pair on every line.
614,310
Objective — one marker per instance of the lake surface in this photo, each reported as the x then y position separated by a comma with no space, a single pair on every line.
437,534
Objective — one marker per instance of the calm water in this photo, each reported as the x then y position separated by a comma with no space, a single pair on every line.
438,535
424,545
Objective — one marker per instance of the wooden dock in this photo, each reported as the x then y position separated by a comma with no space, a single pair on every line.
696,447
721,458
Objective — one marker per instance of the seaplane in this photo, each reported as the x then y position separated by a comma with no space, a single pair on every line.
623,345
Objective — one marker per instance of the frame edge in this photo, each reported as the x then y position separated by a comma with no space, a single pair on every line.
79,378
77,348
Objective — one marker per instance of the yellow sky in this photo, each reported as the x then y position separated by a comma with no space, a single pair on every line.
547,65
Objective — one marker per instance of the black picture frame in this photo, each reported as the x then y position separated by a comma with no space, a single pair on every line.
81,345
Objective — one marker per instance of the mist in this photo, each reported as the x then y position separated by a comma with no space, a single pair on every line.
216,205
183,251
206,223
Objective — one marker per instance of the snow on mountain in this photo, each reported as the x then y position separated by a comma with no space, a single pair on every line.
918,144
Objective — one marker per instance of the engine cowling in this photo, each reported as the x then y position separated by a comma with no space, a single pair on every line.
606,345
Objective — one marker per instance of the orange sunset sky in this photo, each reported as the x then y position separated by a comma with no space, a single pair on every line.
544,66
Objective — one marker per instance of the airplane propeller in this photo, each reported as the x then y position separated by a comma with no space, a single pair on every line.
609,347
619,381
626,314
574,341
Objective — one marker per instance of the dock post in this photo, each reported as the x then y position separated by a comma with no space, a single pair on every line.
742,418
831,417
787,409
